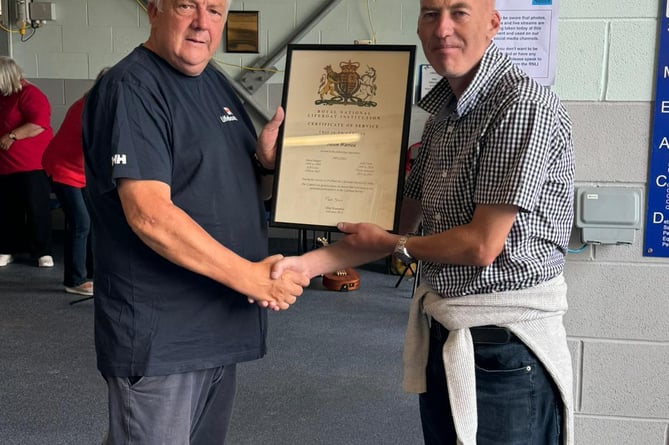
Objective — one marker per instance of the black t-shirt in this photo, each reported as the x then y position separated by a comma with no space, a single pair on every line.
145,120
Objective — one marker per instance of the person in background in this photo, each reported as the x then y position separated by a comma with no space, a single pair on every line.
173,172
25,131
485,345
63,162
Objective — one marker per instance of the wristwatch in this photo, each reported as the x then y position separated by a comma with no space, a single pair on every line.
401,252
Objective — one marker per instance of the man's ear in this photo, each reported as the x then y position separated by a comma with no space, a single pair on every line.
495,23
151,10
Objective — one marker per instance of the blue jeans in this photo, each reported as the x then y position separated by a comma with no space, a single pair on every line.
517,401
77,229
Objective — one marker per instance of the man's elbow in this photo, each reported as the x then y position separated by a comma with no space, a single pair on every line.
484,256
142,224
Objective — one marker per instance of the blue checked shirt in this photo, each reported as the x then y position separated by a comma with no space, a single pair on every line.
507,141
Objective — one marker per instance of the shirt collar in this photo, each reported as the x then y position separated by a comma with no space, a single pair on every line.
494,64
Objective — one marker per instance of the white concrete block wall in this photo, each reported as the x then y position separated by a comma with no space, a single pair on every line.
618,323
619,310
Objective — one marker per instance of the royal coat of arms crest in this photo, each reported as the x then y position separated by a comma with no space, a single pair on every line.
347,87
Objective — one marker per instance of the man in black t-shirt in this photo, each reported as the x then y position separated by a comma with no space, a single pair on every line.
173,168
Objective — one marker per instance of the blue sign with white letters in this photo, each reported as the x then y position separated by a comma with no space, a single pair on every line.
542,2
656,241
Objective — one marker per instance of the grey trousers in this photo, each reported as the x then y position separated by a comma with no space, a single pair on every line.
193,408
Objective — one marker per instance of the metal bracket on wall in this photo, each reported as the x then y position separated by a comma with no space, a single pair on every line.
254,79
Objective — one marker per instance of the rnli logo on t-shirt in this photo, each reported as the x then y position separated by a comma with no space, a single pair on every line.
119,160
228,116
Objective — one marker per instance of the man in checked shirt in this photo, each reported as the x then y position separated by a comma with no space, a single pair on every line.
493,190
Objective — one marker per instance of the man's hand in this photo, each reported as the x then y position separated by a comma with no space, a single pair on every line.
280,292
367,237
297,264
266,145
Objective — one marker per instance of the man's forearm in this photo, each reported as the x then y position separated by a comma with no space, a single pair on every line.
339,256
175,236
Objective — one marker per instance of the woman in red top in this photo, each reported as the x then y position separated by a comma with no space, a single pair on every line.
25,131
63,161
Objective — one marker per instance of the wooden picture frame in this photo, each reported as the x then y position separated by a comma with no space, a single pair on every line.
241,32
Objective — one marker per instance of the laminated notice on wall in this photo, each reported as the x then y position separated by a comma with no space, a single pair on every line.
528,34
427,78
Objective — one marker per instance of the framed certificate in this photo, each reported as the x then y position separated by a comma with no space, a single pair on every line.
342,147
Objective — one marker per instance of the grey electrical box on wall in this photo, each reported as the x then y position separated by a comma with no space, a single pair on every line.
608,215
42,11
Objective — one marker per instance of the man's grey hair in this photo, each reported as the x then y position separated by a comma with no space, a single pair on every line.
10,76
159,5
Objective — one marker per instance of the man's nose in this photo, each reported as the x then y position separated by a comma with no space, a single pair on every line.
444,26
201,18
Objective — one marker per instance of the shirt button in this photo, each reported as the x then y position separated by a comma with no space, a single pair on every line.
437,216
444,174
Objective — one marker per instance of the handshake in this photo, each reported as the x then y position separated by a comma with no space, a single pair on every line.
280,280
279,286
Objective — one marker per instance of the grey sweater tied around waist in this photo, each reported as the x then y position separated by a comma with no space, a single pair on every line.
534,315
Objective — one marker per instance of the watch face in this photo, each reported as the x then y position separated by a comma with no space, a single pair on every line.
405,255
401,251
